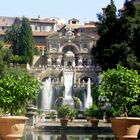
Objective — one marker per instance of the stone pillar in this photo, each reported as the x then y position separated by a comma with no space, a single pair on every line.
80,61
89,61
58,61
49,61
73,63
31,114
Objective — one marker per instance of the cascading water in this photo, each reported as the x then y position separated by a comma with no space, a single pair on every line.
46,98
88,98
68,82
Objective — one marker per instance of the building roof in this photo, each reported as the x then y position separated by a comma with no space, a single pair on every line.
41,33
41,21
74,19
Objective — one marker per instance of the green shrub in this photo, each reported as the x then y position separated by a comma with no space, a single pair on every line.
121,87
135,111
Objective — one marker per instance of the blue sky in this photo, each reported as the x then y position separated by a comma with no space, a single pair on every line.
84,10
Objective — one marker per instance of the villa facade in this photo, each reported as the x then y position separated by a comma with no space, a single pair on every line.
61,46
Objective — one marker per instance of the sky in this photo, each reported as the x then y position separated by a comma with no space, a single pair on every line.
83,10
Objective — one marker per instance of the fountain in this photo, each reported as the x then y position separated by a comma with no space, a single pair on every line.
52,93
68,83
46,98
88,97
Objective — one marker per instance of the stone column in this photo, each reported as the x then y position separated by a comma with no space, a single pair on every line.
32,115
58,61
79,61
73,63
49,61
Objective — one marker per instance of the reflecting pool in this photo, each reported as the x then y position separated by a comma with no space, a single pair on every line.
64,136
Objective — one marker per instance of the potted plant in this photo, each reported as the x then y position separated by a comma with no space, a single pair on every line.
93,113
17,89
63,114
122,88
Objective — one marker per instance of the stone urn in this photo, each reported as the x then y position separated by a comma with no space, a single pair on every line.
125,128
12,127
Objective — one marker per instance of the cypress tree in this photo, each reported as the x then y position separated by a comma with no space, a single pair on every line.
26,45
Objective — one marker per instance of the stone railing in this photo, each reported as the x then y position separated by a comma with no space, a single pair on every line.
70,68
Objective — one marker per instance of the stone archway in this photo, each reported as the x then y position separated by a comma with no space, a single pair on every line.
69,47
69,54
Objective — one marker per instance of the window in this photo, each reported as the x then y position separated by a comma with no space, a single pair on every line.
3,27
43,28
84,62
73,22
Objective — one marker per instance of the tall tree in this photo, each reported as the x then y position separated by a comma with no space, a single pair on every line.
26,45
118,37
106,31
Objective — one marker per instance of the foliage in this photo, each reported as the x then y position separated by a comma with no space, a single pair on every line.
93,111
111,112
121,87
19,59
63,111
119,37
77,102
12,37
73,112
5,55
52,115
135,111
95,94
16,91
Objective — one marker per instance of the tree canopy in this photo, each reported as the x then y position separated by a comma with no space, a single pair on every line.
118,41
121,87
17,89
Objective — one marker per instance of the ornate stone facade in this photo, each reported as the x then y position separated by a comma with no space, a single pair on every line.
67,48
